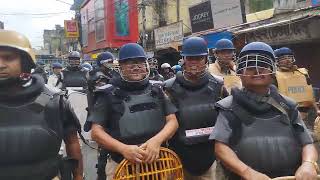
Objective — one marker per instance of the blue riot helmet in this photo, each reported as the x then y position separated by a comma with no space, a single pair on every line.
224,44
256,55
177,68
133,63
284,51
225,51
131,51
195,49
106,59
74,58
284,58
86,67
56,65
194,46
40,63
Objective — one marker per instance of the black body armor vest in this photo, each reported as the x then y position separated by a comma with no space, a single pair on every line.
196,117
268,145
197,114
74,79
30,138
142,115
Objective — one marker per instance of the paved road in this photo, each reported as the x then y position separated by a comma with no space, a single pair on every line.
79,103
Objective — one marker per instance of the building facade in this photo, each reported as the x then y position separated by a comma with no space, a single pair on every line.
108,24
54,41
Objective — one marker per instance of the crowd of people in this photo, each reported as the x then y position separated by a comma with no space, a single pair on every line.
240,117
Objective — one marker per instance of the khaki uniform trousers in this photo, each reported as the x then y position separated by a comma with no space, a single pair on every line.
111,168
208,175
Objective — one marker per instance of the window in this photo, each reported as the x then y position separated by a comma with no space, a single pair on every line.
100,30
84,27
84,31
99,20
260,5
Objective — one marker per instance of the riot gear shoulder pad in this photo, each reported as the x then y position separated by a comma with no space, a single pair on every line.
218,79
289,102
225,103
283,100
169,83
304,71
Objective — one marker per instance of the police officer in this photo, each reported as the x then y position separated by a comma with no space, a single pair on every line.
224,65
132,118
53,79
166,71
34,119
72,77
154,74
97,79
259,133
295,83
101,76
87,67
40,69
195,91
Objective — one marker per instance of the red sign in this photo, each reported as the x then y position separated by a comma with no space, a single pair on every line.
123,22
120,25
71,28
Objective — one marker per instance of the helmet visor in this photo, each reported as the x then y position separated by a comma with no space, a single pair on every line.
195,66
134,70
258,62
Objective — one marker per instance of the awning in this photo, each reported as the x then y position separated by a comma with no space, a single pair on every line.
265,26
214,37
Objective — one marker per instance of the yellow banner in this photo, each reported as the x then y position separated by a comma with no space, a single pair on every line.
71,28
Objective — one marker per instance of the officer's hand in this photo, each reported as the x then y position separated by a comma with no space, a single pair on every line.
152,148
133,153
251,174
318,113
306,171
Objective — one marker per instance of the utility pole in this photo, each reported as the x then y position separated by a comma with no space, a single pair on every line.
178,10
243,10
143,6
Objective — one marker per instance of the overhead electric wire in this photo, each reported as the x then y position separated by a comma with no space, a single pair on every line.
33,14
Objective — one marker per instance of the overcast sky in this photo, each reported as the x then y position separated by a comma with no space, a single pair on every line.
23,16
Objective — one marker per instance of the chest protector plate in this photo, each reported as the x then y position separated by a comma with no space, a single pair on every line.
30,138
197,114
269,146
295,86
142,118
74,79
